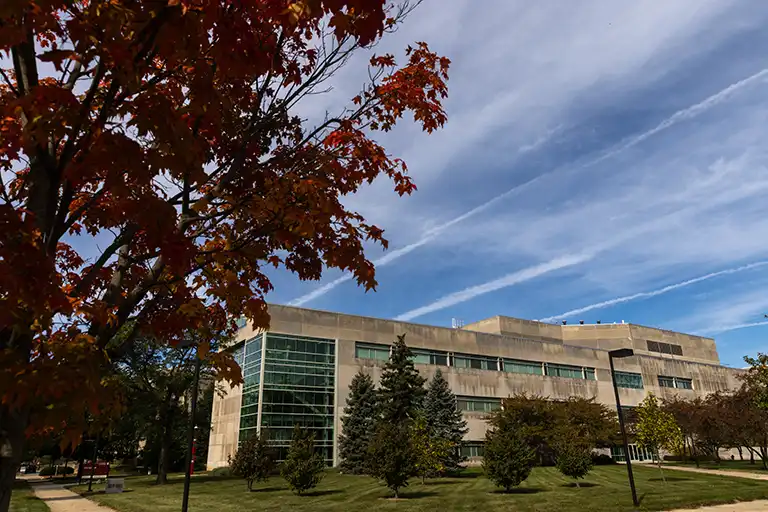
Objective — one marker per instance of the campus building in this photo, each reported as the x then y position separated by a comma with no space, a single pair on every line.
300,370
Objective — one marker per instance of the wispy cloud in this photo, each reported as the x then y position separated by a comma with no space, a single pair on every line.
502,282
679,116
734,327
653,293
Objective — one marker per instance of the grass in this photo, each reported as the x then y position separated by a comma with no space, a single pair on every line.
545,489
24,500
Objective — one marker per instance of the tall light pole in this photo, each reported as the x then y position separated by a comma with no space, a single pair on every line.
191,432
621,353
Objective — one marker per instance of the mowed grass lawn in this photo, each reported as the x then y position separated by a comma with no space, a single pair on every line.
24,500
605,489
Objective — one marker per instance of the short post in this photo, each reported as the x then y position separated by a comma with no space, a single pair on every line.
620,353
93,463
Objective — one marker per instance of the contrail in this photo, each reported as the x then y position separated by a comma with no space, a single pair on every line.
680,115
726,328
652,293
520,276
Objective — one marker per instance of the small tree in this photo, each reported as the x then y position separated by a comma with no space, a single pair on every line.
431,451
508,458
391,456
656,429
303,467
358,424
574,459
444,420
254,459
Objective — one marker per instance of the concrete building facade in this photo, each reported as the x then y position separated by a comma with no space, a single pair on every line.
300,370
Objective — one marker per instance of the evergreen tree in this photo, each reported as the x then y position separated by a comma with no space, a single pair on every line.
444,420
303,466
508,458
574,459
391,454
402,388
357,424
254,459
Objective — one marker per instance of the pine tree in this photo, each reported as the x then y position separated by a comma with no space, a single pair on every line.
444,420
508,458
303,466
358,424
574,459
254,459
391,455
402,388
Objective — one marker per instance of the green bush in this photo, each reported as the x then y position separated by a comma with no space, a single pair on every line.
574,460
303,467
601,459
508,458
221,472
51,470
254,460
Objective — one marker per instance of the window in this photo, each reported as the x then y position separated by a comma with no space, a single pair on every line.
664,348
629,380
473,404
421,356
527,367
675,382
370,351
570,372
477,362
472,450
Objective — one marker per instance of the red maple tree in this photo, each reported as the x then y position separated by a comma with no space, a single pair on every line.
163,136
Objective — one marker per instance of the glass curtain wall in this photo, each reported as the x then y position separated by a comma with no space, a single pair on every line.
298,388
248,356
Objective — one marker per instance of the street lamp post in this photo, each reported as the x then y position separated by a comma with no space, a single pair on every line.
191,434
621,353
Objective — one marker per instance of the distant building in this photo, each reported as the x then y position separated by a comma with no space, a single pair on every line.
300,370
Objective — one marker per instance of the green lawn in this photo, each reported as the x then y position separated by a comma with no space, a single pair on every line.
606,489
23,499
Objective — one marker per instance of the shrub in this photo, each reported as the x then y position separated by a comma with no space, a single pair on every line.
574,460
601,459
508,458
303,467
254,459
221,472
51,470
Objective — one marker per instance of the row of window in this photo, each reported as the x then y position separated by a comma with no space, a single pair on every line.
675,382
664,348
422,356
628,380
473,404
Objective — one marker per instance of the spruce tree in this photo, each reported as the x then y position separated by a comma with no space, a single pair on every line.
401,387
303,467
508,458
358,424
444,420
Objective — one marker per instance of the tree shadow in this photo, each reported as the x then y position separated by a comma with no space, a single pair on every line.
446,481
411,495
581,484
670,479
520,490
268,489
325,492
466,474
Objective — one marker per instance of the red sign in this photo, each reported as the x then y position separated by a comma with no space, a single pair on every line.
101,469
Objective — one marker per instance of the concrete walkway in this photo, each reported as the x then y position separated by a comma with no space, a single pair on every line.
721,472
60,499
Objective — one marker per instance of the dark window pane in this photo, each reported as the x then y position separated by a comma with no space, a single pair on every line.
653,346
677,350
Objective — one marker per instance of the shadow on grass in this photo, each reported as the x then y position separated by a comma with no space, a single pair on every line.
326,492
201,479
670,479
581,484
520,490
447,481
268,489
93,493
410,495
466,474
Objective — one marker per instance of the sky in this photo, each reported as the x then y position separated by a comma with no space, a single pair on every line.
602,160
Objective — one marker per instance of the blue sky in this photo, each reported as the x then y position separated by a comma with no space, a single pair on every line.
595,150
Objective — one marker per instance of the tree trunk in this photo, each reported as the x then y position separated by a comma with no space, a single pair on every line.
11,450
658,462
250,485
741,453
577,484
165,456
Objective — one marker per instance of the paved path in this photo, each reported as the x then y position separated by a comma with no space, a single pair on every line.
60,499
721,472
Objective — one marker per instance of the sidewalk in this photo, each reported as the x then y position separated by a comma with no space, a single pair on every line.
721,472
60,499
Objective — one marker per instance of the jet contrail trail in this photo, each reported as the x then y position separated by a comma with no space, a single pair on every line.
652,293
520,276
680,115
726,328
